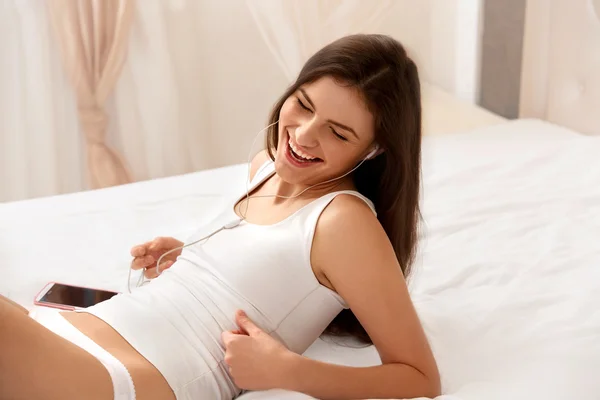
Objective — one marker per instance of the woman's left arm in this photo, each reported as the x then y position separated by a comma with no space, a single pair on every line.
353,251
355,254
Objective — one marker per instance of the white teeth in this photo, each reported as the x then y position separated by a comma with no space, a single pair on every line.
300,152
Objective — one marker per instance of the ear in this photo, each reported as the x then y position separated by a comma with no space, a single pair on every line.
373,153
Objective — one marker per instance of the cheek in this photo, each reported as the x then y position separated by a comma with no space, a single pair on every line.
337,153
285,118
288,117
286,113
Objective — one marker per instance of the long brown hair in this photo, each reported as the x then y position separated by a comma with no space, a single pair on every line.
380,69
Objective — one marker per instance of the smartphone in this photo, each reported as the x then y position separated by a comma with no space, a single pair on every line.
69,297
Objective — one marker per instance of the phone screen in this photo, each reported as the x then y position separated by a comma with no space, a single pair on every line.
75,296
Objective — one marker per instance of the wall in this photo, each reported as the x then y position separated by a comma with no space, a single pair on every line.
561,64
444,36
238,79
197,86
501,56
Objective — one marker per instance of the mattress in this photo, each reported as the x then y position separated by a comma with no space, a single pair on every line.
507,280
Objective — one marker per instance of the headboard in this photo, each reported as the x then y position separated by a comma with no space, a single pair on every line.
560,80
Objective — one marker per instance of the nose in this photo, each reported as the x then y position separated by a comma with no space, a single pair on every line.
306,133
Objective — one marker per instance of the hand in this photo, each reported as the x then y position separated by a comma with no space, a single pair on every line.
147,254
256,361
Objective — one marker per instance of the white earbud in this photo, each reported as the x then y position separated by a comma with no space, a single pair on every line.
372,153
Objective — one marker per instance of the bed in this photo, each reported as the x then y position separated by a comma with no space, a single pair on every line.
506,283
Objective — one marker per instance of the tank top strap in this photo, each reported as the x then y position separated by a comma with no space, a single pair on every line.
311,212
354,193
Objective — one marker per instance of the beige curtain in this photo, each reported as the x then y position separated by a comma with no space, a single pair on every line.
93,37
295,29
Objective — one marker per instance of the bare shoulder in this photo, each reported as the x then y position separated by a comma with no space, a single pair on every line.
348,215
258,160
348,228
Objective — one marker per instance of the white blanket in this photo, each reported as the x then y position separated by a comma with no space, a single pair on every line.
507,282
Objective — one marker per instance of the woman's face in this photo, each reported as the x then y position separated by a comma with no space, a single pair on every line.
325,129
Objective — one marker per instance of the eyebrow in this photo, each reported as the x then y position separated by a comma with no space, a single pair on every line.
345,127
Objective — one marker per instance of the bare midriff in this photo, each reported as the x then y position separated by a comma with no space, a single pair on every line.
148,381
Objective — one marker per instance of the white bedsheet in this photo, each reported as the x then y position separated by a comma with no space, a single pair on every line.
507,282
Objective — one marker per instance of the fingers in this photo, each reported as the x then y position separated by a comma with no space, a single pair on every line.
246,325
155,245
139,250
151,273
227,337
142,262
162,243
146,254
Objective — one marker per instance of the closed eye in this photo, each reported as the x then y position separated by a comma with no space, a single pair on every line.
302,105
338,135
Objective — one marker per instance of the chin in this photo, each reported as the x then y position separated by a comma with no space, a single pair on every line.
286,172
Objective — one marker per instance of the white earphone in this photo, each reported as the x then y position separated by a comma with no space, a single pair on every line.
238,221
372,154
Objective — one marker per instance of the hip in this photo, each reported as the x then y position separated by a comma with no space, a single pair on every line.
148,381
177,371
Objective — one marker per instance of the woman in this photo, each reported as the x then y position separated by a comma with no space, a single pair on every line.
312,248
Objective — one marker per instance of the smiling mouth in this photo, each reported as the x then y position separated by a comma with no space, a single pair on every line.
304,158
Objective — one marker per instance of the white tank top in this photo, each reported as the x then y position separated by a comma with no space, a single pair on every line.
176,321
